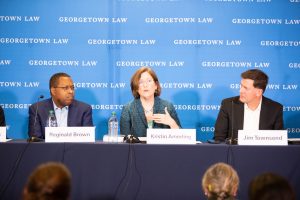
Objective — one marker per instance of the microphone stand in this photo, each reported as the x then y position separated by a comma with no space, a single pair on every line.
34,138
231,141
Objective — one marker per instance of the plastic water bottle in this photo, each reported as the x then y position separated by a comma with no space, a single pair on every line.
113,128
51,122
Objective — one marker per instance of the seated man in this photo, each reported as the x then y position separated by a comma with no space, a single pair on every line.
249,111
68,111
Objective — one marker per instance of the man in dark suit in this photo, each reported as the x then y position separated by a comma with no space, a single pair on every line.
68,111
2,117
249,111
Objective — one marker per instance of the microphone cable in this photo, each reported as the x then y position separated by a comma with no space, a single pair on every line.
126,171
131,161
131,167
139,175
230,154
63,152
13,171
135,140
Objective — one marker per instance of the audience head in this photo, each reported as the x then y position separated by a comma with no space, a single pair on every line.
270,186
49,181
136,81
220,182
62,89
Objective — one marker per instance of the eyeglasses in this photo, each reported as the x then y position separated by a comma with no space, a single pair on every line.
147,82
66,88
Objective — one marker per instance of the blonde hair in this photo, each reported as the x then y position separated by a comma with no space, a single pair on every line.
220,182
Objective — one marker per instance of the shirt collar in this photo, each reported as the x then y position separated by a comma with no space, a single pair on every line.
56,108
257,109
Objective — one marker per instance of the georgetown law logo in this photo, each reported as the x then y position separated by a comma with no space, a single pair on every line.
280,43
234,64
270,86
121,42
197,107
5,62
68,63
186,85
99,85
107,107
58,41
265,21
15,105
173,20
92,20
13,84
240,1
211,42
152,63
19,18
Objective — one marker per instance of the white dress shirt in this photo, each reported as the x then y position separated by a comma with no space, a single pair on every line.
61,115
251,117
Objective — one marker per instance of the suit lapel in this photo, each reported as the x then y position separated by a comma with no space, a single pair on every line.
263,114
71,113
140,111
50,106
238,114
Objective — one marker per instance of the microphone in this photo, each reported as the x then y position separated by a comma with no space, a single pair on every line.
34,138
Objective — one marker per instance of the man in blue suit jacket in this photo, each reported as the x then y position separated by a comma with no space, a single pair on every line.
249,111
68,111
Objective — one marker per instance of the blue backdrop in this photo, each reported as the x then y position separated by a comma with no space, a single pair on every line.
198,49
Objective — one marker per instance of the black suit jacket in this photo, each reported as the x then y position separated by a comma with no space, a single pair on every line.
2,117
231,117
79,114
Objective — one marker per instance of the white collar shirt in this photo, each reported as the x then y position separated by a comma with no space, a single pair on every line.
251,117
61,115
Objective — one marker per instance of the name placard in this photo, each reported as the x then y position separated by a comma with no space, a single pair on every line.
3,134
171,136
262,137
70,134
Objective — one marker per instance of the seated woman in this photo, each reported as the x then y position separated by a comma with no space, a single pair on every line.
147,110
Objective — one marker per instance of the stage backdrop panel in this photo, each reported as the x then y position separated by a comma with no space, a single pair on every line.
198,49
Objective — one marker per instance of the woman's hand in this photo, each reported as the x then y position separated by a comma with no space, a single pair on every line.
165,119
